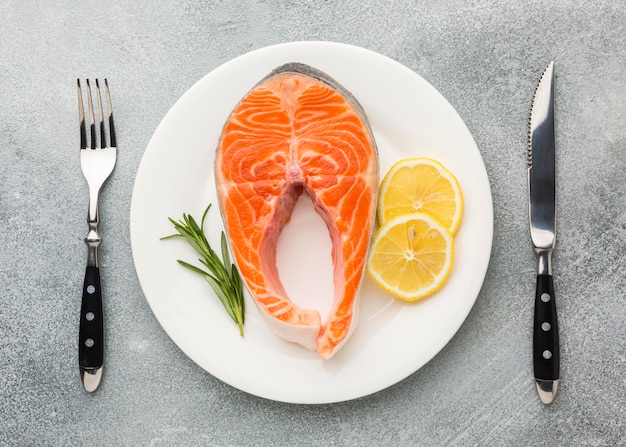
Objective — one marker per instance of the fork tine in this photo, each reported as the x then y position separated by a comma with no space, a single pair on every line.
92,124
81,118
110,112
103,138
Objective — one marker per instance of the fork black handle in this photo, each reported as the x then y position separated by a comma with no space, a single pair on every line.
91,331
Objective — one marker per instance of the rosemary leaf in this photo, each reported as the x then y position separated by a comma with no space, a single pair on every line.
225,255
221,274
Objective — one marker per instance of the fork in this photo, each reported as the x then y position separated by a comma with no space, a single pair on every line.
97,162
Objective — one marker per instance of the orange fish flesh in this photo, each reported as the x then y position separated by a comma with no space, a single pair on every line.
298,131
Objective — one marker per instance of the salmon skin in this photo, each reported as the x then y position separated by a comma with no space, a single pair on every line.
299,131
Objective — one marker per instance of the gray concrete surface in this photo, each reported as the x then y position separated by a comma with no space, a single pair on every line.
483,56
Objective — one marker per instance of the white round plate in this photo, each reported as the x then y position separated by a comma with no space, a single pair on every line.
393,339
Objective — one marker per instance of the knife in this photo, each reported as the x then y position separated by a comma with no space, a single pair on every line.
542,214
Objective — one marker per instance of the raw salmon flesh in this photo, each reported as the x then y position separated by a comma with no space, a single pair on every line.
299,130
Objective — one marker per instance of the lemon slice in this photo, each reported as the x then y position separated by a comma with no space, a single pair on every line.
421,185
411,256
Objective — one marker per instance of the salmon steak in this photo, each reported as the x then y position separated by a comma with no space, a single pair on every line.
297,131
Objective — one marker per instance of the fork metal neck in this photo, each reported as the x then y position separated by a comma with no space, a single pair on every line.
93,241
92,214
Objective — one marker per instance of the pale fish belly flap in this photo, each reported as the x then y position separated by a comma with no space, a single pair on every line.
296,132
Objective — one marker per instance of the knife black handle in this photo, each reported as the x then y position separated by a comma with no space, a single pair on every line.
546,331
91,331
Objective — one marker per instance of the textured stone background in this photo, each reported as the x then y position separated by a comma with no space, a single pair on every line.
483,56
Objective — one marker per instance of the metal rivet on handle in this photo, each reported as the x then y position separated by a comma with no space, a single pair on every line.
545,297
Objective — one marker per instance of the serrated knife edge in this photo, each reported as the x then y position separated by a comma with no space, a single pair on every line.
529,150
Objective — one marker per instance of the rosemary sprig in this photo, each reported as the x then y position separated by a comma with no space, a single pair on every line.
221,274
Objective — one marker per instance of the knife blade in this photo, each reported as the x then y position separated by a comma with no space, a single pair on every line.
542,216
